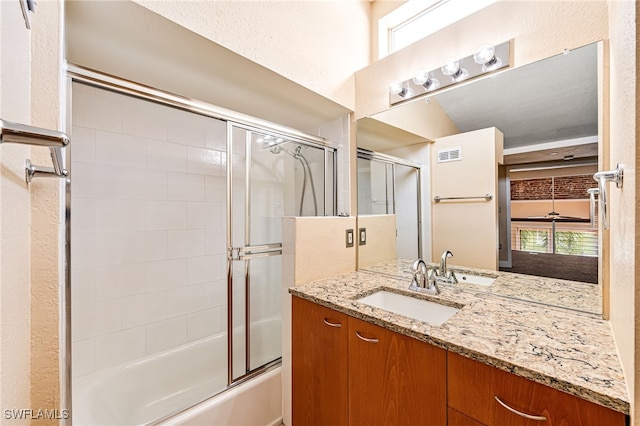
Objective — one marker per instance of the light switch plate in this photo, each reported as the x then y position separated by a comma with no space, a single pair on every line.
349,237
362,236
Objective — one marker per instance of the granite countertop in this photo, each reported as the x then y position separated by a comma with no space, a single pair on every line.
570,352
574,295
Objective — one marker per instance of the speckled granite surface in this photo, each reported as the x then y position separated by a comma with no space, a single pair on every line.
570,352
583,297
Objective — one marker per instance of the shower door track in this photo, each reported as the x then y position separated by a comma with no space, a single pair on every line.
76,73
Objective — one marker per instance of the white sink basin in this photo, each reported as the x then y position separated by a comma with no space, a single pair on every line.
474,279
423,310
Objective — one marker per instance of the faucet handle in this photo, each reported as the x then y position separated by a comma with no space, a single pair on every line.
432,283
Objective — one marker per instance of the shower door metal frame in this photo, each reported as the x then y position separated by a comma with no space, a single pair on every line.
248,252
366,154
75,73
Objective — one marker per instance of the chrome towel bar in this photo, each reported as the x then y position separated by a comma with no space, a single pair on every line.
36,136
486,197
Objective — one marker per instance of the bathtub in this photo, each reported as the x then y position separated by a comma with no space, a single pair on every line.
154,387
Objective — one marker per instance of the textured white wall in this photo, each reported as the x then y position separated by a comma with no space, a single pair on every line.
15,56
623,149
318,44
46,106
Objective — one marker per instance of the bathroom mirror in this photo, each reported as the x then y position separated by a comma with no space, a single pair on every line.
548,113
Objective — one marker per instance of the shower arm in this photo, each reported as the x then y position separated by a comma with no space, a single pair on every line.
35,136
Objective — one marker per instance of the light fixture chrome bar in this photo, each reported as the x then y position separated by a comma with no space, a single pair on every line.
411,90
487,197
602,178
36,136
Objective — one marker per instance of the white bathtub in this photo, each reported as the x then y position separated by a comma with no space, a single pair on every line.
148,389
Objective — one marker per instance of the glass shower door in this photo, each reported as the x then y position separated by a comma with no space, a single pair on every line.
271,177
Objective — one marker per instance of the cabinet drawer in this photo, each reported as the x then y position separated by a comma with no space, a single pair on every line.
495,397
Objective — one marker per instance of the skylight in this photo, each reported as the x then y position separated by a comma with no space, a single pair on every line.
417,19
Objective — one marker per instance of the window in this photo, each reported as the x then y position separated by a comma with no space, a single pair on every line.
536,240
543,240
417,19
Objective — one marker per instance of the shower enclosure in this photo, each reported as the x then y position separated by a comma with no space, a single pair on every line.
175,218
391,185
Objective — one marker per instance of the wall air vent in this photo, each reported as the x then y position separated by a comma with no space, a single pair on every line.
449,154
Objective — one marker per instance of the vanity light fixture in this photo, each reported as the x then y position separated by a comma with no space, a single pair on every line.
486,59
486,56
453,69
396,87
423,78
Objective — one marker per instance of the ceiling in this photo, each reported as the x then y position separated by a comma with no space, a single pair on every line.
126,40
551,100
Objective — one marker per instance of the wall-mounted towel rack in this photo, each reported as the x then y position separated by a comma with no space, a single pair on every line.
29,135
486,197
602,178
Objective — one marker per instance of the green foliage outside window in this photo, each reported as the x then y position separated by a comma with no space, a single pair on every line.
534,240
578,243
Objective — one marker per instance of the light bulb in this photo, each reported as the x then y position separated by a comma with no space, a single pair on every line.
486,56
452,68
396,87
422,78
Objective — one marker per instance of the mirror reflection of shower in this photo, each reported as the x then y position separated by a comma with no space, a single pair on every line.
277,146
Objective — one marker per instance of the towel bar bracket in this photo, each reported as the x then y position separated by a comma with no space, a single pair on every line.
31,171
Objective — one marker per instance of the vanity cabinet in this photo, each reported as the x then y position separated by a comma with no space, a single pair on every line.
319,365
479,394
394,379
348,372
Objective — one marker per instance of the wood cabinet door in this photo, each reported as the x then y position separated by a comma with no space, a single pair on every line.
319,365
394,380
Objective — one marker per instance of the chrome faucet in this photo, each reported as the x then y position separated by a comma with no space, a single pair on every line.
445,274
423,282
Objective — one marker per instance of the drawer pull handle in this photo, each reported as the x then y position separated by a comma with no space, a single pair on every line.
521,414
332,324
366,339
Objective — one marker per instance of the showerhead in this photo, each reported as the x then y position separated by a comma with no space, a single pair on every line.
276,149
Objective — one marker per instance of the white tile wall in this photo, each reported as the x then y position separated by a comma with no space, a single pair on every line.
148,228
